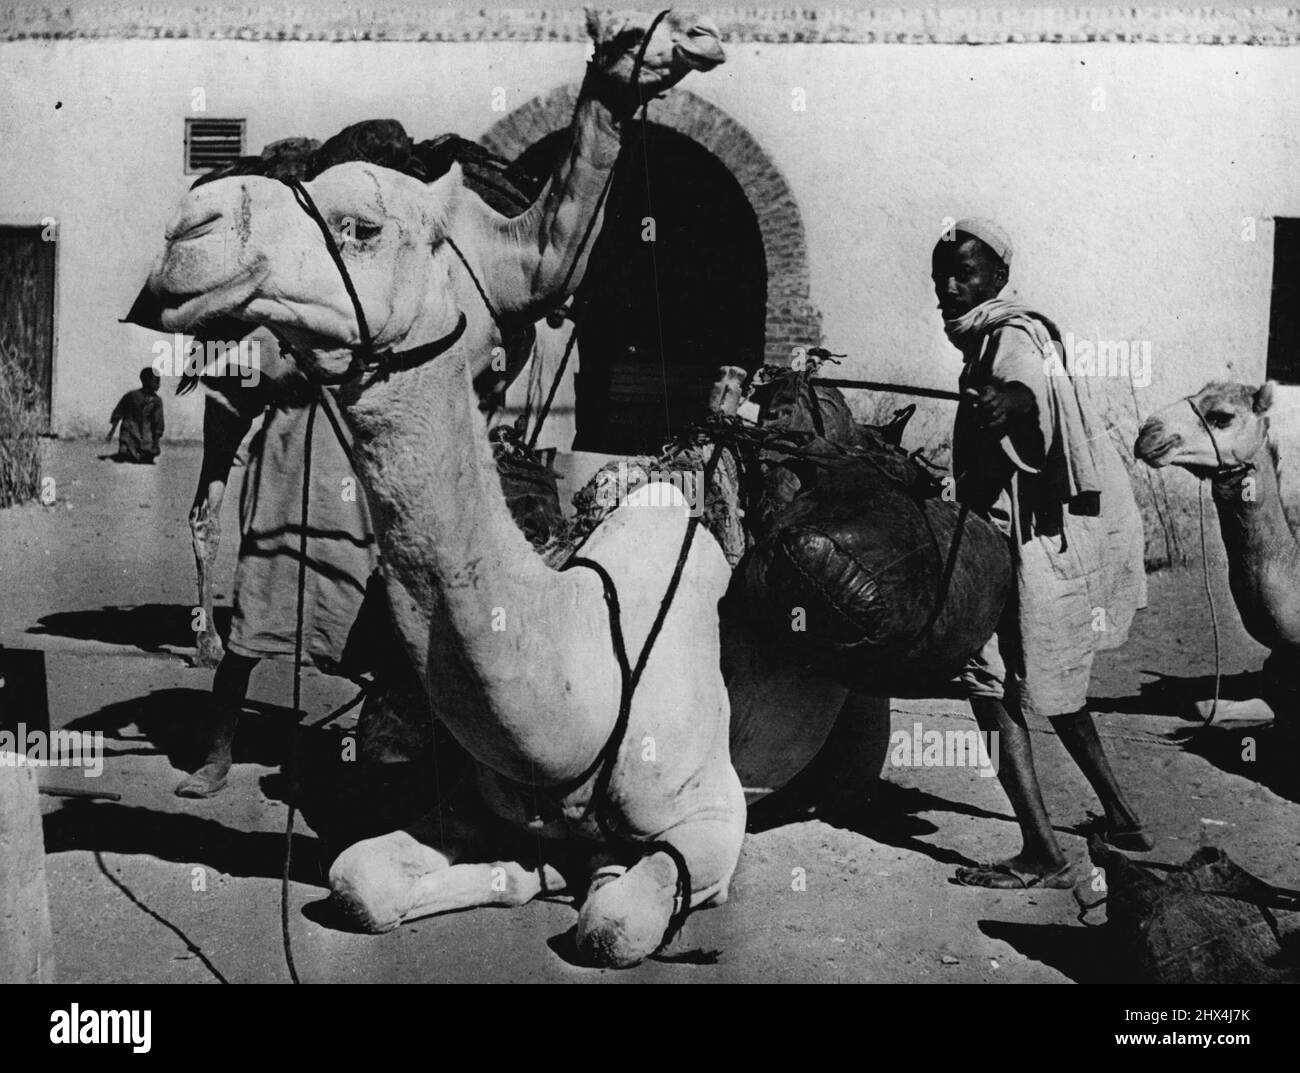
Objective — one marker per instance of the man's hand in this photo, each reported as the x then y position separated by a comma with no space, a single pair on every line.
999,406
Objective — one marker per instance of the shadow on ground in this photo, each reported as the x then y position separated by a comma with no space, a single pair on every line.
1266,755
1176,696
171,723
342,799
1082,954
149,627
182,838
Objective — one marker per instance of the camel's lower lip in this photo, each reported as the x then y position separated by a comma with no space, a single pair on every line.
1157,457
700,61
182,311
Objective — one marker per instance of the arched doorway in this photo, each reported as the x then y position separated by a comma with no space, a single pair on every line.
676,286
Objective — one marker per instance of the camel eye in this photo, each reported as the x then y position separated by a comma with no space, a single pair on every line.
1219,419
352,229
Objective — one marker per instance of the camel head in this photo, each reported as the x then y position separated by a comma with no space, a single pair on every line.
682,42
242,248
1236,414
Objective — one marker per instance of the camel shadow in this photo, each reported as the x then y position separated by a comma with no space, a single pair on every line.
1175,696
160,628
1084,954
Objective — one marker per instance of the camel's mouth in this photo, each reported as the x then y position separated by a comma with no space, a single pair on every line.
1156,447
703,53
1159,456
180,311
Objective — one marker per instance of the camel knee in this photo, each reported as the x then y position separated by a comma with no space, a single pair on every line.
371,881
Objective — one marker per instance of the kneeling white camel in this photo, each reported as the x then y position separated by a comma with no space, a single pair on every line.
521,662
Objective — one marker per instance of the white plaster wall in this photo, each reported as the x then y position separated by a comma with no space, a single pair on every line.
1128,220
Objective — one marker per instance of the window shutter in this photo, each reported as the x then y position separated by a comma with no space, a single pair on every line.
212,143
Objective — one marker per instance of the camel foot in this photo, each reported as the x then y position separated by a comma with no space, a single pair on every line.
626,913
208,781
1235,713
371,881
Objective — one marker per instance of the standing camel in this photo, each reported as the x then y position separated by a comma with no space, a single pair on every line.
1221,434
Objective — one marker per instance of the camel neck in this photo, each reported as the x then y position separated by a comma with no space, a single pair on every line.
1263,559
435,491
1251,517
477,610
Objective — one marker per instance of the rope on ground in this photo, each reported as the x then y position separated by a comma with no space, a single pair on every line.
190,945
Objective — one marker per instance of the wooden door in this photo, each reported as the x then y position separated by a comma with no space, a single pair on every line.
27,306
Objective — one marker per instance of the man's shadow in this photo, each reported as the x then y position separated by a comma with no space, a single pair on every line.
341,798
149,627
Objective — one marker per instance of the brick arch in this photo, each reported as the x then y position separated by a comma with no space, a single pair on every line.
791,317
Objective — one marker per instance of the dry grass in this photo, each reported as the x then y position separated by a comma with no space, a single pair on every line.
20,426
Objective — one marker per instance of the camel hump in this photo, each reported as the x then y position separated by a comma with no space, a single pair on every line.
639,544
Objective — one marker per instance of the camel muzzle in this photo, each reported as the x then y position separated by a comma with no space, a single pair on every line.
1155,446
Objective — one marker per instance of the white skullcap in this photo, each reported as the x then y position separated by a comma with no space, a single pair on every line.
988,233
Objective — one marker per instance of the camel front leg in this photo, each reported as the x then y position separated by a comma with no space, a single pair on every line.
205,535
382,882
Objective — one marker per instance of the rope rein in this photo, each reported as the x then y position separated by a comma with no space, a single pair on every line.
292,764
1221,470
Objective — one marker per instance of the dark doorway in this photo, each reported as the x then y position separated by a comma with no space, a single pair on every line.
657,319
1284,315
27,307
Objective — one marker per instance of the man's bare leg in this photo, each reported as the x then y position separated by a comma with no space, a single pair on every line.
1078,733
229,689
1040,855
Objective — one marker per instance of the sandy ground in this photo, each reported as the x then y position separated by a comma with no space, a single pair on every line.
153,888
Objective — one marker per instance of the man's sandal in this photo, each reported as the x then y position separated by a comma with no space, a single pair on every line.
999,875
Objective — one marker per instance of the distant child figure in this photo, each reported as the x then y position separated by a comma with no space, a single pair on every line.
140,413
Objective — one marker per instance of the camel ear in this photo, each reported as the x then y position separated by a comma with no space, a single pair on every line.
445,193
595,25
1264,397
